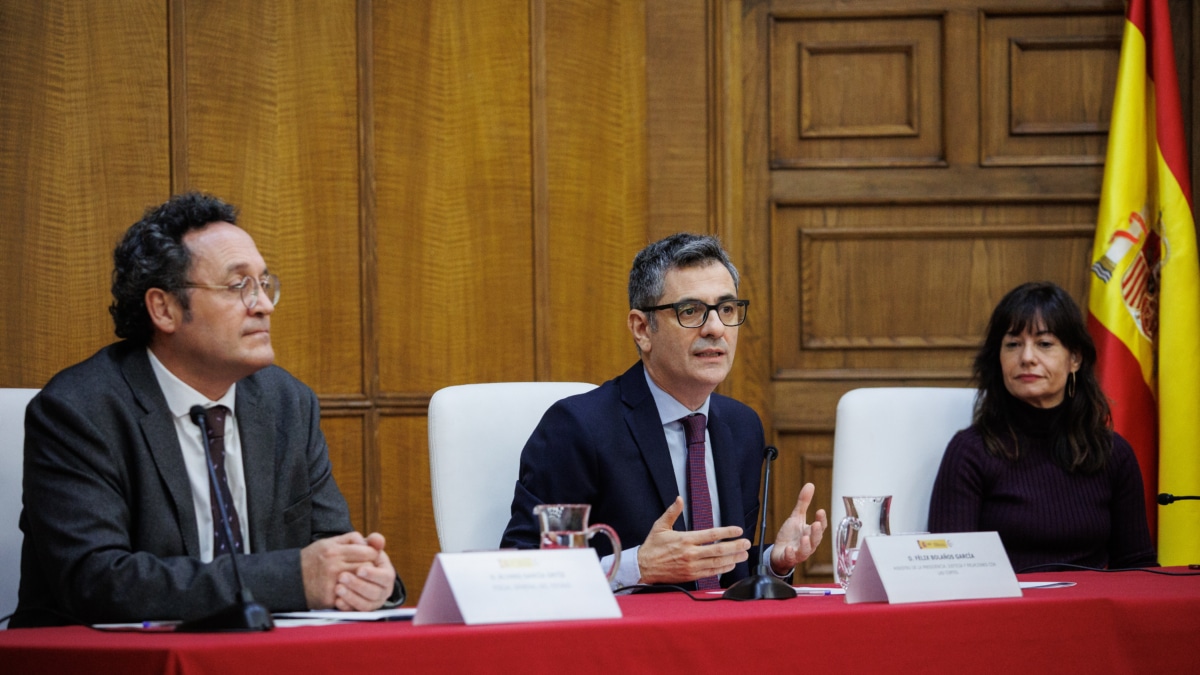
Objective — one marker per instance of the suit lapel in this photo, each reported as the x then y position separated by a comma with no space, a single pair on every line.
645,428
162,443
256,429
725,464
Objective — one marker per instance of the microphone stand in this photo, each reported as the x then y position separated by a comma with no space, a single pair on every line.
245,615
762,585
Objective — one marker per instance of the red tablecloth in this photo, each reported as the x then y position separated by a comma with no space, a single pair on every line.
1118,623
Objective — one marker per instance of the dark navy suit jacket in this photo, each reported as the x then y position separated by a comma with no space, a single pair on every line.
606,448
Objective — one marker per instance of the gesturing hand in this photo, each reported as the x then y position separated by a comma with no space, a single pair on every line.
797,539
668,556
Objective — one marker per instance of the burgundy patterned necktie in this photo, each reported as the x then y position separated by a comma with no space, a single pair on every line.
697,483
214,423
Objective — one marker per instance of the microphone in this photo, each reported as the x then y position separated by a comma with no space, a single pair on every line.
245,615
1165,498
762,585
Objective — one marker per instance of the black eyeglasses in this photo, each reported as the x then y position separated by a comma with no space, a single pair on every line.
248,288
693,314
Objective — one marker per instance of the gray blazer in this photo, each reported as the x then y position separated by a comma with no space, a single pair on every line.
110,529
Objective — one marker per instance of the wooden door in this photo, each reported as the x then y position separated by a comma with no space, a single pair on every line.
905,164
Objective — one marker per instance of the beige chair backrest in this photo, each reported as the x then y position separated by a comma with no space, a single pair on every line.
12,460
476,433
889,441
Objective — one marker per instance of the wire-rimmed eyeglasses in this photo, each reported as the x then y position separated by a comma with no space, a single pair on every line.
248,288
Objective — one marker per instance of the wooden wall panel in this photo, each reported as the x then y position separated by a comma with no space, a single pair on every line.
345,432
742,188
857,92
406,519
880,286
595,165
848,271
270,99
868,91
455,249
1047,86
897,286
83,150
677,117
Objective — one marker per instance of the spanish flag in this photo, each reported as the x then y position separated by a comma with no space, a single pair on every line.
1144,302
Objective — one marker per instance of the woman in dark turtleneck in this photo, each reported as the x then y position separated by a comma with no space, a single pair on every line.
1040,463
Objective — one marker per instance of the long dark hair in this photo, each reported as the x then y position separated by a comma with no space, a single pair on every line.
1083,439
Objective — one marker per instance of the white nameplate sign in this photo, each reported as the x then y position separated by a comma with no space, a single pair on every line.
927,567
512,586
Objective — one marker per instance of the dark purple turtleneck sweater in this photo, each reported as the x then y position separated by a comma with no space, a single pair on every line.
1044,514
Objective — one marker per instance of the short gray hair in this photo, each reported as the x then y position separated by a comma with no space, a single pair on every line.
650,266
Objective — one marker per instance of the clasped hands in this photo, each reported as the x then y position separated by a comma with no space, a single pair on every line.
669,556
349,572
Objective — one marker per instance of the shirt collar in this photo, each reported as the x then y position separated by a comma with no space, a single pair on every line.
181,396
670,409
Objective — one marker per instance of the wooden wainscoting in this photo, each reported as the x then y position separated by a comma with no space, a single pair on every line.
453,191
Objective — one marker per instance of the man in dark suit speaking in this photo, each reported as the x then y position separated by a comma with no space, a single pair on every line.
672,467
120,516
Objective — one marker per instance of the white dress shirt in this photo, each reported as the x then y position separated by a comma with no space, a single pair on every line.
180,399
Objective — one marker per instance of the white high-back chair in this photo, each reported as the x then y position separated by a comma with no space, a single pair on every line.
890,441
12,461
473,471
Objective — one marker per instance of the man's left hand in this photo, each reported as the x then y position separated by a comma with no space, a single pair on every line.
371,584
797,539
